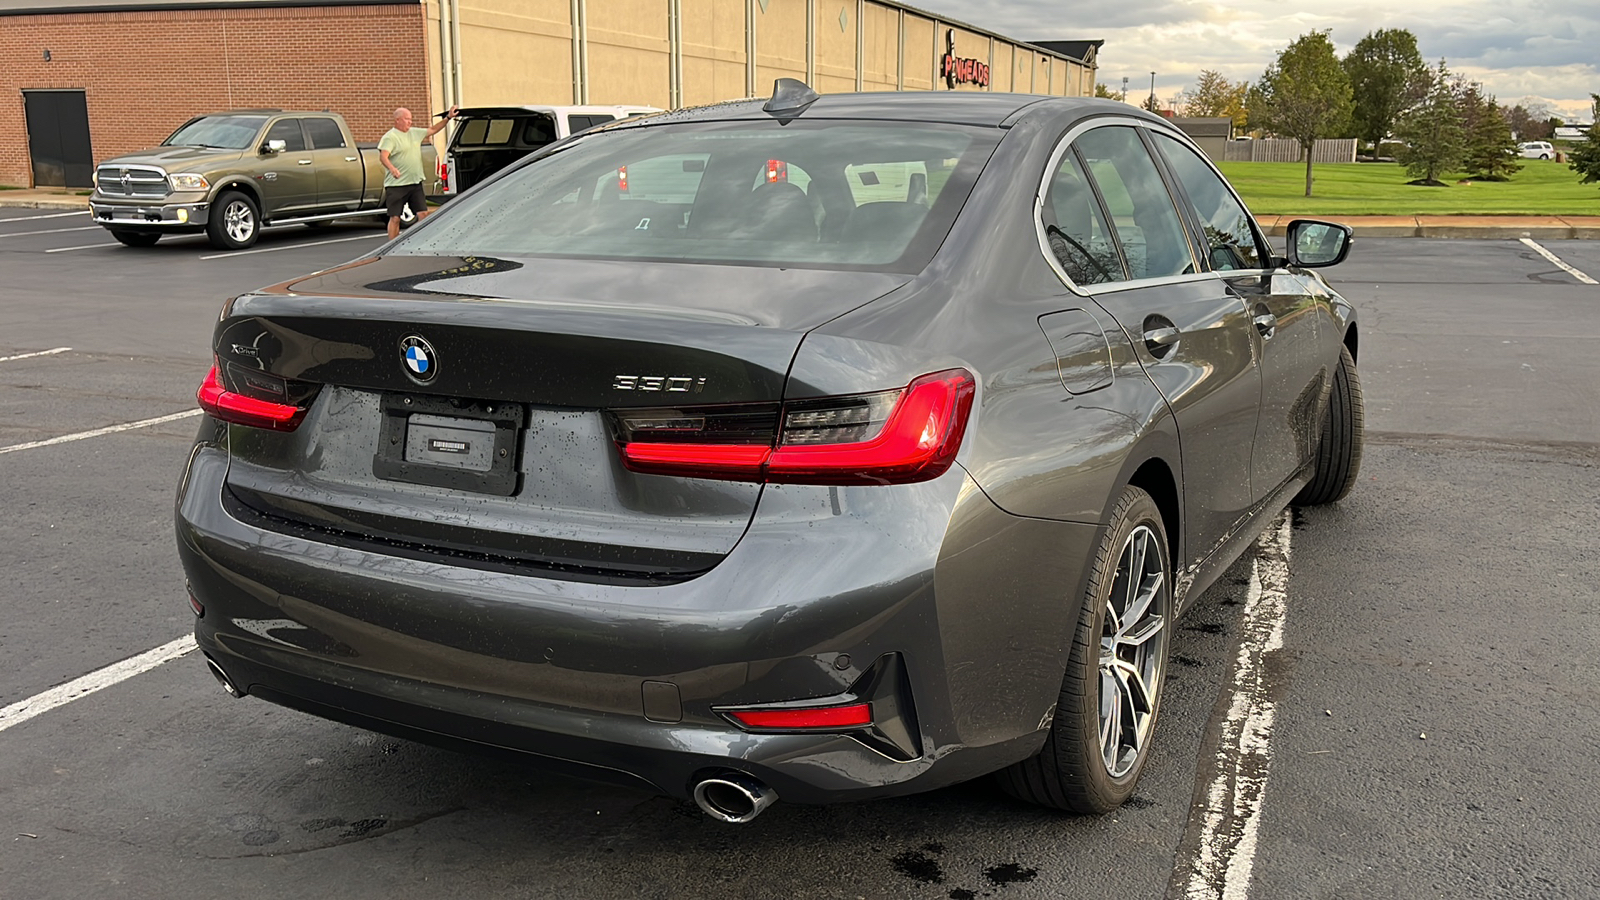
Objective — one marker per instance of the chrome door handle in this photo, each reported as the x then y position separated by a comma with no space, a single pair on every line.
1267,324
351,158
1159,341
303,162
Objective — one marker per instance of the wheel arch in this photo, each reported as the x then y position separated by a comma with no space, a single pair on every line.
1351,340
241,185
1153,466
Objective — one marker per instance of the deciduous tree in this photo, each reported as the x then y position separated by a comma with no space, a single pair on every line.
1387,76
1106,93
1214,95
1304,95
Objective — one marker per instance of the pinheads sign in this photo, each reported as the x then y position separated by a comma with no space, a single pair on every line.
957,70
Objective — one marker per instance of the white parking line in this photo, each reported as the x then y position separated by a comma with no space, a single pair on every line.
1557,260
37,353
1239,776
84,247
113,429
49,231
361,237
81,212
100,679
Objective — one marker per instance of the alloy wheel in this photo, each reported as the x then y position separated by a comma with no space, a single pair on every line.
1133,651
239,221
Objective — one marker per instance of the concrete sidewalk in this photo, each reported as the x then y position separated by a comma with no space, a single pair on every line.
1544,228
43,199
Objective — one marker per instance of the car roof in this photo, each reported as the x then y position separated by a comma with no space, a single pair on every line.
957,107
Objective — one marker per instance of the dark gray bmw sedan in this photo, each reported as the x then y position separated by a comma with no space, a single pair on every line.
820,448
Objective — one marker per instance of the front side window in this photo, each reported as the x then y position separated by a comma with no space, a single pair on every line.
1076,227
288,131
1231,239
824,194
1142,213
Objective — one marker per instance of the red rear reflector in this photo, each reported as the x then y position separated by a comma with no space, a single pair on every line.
221,403
829,717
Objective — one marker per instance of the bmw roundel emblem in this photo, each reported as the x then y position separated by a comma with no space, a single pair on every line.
417,355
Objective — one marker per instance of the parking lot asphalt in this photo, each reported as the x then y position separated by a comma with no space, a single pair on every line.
1430,714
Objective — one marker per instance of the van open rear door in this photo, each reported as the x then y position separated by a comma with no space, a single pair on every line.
489,138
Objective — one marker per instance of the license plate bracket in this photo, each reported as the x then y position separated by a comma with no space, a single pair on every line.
465,445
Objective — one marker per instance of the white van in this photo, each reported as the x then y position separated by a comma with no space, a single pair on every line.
486,139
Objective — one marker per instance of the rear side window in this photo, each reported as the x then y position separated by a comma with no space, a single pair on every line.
288,131
576,124
1142,213
1231,239
876,196
324,133
1076,227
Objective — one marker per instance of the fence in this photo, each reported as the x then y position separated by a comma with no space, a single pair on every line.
1327,150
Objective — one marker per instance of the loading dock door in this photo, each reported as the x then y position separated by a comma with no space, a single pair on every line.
58,138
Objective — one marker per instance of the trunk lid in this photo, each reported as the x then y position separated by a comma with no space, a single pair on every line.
499,453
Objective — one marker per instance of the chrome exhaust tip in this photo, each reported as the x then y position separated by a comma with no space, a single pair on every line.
733,797
222,678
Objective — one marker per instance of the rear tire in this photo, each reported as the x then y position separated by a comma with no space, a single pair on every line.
1343,429
136,238
235,222
1106,714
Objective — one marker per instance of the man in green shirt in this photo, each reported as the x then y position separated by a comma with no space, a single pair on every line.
400,149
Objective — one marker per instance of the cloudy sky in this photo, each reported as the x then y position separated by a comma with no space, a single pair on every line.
1545,49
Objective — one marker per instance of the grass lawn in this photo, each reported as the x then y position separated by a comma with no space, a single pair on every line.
1543,187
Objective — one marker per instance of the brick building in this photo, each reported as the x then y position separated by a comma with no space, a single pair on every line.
85,80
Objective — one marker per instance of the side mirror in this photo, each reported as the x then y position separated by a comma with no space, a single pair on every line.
1313,244
274,146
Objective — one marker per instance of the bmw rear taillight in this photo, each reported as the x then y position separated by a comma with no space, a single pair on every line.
242,409
888,437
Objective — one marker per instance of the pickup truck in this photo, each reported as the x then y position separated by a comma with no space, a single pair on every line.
486,139
232,174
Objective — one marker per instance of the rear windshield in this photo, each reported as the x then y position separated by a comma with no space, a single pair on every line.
821,194
225,132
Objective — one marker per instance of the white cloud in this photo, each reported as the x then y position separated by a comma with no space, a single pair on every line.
1549,49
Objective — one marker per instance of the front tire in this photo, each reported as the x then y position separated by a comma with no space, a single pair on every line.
1106,714
235,222
1343,435
136,238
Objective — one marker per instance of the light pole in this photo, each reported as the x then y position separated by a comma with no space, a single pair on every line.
1152,92
1124,89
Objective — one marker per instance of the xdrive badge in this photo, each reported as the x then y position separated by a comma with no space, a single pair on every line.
421,363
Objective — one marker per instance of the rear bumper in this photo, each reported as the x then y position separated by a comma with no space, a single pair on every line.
972,602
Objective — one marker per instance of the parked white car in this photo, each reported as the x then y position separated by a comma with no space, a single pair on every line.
1536,150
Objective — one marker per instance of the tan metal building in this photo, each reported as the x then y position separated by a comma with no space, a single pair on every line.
672,53
86,80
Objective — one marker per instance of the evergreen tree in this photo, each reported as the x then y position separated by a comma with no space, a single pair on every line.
1585,158
1434,142
1491,151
